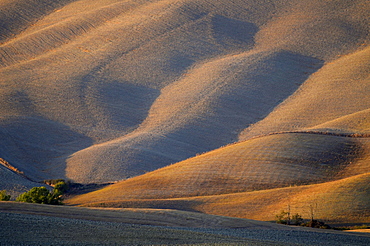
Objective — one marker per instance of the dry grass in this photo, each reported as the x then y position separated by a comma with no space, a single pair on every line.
360,230
337,202
342,201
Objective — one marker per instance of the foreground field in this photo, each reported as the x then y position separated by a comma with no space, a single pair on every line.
46,225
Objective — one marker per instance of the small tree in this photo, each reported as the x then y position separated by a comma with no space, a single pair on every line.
297,219
4,196
282,218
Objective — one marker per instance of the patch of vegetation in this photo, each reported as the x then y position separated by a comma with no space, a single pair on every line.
316,224
61,187
4,196
297,219
284,218
53,182
44,196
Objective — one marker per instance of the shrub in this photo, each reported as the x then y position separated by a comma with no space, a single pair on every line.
55,198
317,224
282,218
297,219
35,195
61,187
41,195
53,182
4,196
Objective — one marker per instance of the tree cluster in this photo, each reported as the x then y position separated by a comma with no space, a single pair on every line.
44,196
296,219
41,194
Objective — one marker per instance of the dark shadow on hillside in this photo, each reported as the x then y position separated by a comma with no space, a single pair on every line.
38,146
250,99
232,32
128,105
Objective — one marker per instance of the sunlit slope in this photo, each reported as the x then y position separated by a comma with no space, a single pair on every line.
272,161
345,200
334,99
341,201
356,123
102,90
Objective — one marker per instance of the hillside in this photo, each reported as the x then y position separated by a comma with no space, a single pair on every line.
256,164
193,104
97,91
336,202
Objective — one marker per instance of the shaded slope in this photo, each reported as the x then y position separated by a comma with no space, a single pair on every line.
37,146
13,183
267,162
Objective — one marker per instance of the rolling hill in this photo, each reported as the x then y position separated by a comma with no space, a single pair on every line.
188,99
342,201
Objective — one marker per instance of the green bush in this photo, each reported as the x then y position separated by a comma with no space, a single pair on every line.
4,196
41,195
61,187
35,195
